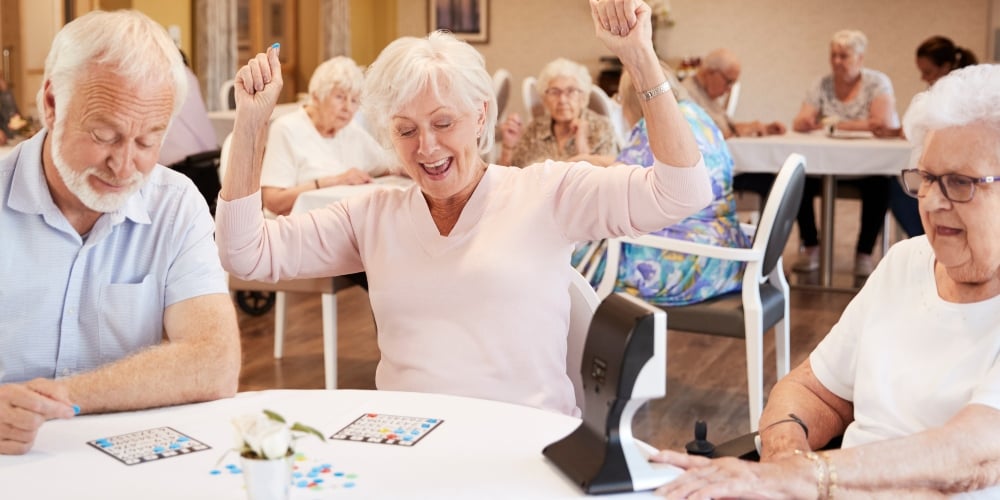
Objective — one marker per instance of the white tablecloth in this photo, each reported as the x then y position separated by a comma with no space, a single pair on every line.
483,449
824,155
222,121
319,198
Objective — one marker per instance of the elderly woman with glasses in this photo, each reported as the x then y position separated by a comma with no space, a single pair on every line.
910,375
567,130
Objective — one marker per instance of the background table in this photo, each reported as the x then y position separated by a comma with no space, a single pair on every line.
483,449
222,121
825,156
319,198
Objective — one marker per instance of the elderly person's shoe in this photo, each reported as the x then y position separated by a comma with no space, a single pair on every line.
808,260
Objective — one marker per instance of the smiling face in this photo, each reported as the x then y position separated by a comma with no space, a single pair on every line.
845,62
334,111
564,99
105,140
437,144
965,236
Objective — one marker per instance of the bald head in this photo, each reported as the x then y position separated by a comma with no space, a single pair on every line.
718,72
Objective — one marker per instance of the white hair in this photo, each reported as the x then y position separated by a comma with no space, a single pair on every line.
563,67
852,39
124,42
337,73
962,97
440,62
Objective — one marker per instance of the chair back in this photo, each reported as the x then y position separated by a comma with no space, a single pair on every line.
203,169
583,302
600,102
501,87
780,211
532,99
732,100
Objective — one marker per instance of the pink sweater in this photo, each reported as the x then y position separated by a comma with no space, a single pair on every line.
483,312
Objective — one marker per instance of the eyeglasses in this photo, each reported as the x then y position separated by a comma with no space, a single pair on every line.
955,187
725,78
557,93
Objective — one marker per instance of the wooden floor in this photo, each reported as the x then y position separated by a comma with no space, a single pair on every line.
706,376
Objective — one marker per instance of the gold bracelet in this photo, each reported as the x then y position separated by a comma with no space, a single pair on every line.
662,88
831,475
821,485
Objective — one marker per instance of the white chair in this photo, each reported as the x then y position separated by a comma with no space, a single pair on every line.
763,302
603,104
501,87
532,99
732,100
583,302
225,93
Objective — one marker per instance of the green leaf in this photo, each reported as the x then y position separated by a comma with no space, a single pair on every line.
298,426
274,416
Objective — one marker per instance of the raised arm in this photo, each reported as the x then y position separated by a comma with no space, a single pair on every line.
257,87
624,28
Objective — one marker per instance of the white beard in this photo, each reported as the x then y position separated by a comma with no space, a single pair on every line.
77,183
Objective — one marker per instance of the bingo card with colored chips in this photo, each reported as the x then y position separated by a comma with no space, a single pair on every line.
148,445
387,429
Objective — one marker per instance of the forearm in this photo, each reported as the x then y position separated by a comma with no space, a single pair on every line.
670,137
196,367
246,158
281,200
959,456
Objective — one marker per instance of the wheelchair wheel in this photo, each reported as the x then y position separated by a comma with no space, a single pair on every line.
255,303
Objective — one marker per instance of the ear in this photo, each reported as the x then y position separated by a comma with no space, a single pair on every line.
481,121
49,105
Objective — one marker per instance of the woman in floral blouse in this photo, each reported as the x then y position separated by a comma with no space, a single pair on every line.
670,278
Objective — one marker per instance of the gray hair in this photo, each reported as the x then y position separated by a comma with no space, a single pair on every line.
410,65
565,67
337,73
852,39
962,97
126,42
720,60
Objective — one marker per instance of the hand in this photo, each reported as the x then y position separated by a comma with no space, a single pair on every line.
511,130
352,176
623,26
805,124
257,87
775,128
23,410
793,477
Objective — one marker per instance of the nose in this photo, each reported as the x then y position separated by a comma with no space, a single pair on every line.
931,197
122,159
428,142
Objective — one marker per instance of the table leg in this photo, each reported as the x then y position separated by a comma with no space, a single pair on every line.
829,196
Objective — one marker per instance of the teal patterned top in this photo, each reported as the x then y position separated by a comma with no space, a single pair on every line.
670,278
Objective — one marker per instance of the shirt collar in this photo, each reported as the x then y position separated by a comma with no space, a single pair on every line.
30,193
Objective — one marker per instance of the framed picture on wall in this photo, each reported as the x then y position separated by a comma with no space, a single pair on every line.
467,19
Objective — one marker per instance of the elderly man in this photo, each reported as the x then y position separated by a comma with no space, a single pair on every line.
718,73
112,294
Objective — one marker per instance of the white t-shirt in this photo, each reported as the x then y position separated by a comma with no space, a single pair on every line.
908,359
297,153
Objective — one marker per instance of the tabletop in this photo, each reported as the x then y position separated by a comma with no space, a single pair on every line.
825,155
482,449
319,198
222,120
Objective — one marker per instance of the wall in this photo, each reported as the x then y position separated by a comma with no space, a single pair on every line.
170,13
783,43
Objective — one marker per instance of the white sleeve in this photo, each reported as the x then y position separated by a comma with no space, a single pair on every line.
279,168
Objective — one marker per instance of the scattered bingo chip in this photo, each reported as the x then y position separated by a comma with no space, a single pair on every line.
387,429
148,445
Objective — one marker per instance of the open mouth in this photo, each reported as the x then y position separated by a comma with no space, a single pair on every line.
437,169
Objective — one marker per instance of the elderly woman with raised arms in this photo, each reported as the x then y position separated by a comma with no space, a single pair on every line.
468,269
910,375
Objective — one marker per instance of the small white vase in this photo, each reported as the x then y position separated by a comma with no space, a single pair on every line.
267,479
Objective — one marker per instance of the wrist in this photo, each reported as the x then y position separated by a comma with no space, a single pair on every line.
316,183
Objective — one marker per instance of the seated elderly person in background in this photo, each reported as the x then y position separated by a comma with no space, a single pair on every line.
450,257
319,145
718,72
671,278
567,130
113,296
937,56
910,375
10,118
852,97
